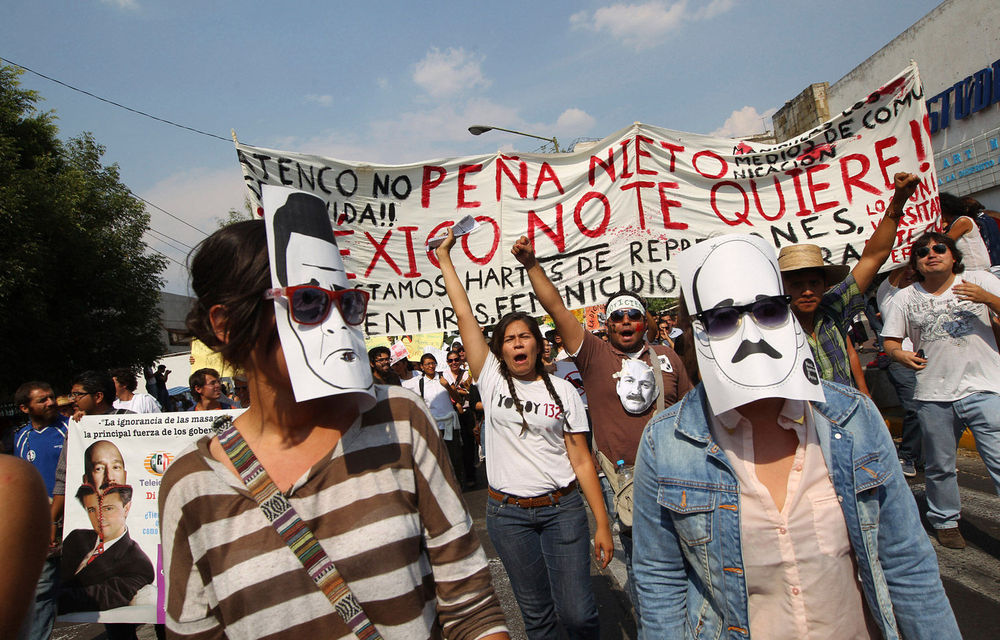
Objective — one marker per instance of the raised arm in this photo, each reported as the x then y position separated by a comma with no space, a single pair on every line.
879,246
475,345
960,227
566,324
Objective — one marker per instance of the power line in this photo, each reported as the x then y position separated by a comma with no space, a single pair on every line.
167,240
112,102
168,213
182,266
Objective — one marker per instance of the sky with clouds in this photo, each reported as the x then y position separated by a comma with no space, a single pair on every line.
396,82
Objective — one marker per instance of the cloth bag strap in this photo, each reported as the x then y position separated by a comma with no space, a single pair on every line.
282,516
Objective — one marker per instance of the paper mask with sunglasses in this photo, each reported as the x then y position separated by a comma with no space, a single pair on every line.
748,342
319,315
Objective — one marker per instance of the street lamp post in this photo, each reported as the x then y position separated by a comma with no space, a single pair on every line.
479,129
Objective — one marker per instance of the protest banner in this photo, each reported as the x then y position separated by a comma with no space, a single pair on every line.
111,568
615,215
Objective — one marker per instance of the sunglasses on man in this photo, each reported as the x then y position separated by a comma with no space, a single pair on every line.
311,305
619,314
721,322
924,251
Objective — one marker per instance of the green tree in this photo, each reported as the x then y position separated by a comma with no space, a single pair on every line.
235,215
78,286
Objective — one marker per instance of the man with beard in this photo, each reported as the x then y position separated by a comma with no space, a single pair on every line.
617,420
380,358
41,442
824,314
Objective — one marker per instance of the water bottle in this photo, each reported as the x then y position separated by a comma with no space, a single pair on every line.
624,473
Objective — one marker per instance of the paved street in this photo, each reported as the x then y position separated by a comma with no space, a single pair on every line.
971,576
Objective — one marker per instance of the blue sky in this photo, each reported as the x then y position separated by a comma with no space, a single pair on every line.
395,82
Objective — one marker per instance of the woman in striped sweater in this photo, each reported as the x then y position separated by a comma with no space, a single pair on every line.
371,485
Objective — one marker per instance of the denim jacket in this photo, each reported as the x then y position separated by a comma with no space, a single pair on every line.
688,559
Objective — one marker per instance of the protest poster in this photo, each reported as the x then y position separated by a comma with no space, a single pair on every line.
111,567
615,215
206,358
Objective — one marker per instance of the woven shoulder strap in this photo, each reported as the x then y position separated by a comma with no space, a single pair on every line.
282,516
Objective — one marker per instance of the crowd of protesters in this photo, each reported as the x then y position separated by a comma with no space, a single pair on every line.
731,444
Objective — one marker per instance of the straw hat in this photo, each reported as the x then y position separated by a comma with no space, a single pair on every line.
809,256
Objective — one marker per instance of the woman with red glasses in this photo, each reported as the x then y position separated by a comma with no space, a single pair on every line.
536,457
361,467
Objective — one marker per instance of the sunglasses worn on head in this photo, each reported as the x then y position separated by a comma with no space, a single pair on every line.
310,304
618,315
924,251
722,322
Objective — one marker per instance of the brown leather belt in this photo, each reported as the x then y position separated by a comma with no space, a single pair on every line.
544,500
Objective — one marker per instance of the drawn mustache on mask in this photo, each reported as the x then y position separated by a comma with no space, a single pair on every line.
748,348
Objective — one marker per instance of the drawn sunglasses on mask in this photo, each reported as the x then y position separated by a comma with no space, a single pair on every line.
924,251
633,314
311,304
722,322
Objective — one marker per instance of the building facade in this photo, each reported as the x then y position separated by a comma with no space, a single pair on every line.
957,49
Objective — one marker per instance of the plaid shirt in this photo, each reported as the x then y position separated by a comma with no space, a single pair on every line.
839,305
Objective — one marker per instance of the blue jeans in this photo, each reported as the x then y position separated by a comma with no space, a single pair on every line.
942,424
625,537
546,552
904,379
41,614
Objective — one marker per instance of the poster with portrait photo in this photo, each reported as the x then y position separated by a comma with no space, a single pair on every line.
324,350
111,569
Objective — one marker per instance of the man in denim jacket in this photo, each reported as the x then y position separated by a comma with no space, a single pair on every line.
769,503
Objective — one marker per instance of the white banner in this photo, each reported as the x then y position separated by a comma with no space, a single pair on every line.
111,567
615,215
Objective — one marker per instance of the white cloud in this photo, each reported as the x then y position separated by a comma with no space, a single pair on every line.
642,26
448,73
199,196
712,9
574,121
324,100
744,122
122,4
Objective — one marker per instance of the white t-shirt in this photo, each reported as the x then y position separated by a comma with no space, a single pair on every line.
885,292
435,396
975,255
535,463
955,335
140,403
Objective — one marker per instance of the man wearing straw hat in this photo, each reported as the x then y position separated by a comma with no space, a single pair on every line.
825,296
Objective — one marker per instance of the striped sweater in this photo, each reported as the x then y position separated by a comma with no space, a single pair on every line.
387,510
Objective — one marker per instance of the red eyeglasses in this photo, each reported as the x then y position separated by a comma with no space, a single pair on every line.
310,304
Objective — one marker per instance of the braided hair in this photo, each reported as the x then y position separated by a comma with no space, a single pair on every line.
496,346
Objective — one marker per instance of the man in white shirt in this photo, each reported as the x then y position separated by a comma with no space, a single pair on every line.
125,386
437,394
946,315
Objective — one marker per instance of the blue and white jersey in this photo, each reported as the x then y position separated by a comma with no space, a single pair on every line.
42,448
